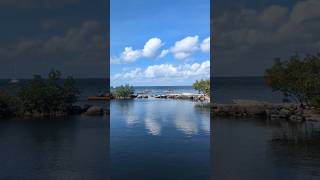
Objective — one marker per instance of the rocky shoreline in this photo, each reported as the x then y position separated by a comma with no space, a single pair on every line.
273,111
187,96
181,96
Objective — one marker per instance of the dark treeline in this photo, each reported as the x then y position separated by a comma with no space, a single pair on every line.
40,97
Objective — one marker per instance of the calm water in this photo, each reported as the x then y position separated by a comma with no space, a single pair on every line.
251,149
162,139
65,149
159,139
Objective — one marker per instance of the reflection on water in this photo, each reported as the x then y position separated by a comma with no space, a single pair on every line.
262,149
169,139
66,149
186,119
152,126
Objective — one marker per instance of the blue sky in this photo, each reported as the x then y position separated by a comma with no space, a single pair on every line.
159,42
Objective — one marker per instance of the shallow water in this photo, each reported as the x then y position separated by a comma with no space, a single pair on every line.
159,139
253,149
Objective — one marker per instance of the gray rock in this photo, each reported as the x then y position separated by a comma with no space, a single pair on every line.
296,118
94,111
255,110
275,117
285,113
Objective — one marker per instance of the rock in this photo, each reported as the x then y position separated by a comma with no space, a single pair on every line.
256,110
275,117
86,107
133,96
296,118
271,111
311,115
284,113
94,111
142,96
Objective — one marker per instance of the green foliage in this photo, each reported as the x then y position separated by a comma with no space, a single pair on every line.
122,92
297,78
9,105
4,105
48,96
202,86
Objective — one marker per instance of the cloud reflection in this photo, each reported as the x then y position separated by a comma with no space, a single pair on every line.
205,124
186,123
153,126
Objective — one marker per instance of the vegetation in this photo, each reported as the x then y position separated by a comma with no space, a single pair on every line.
297,78
44,97
48,96
9,105
202,86
122,92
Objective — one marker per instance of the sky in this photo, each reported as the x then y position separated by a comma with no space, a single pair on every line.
71,36
67,35
250,34
159,42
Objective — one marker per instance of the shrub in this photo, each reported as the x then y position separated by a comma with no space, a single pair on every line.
297,78
48,96
9,105
122,92
202,86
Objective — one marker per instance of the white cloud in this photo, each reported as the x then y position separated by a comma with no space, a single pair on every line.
129,75
114,60
205,45
163,70
166,71
181,50
164,53
185,47
130,55
151,47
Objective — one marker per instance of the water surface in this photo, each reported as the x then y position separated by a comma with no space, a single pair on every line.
67,149
159,139
70,148
253,149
